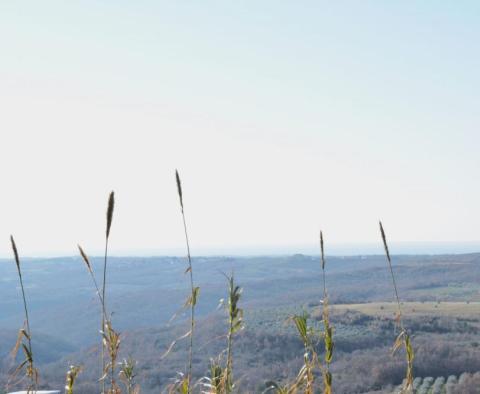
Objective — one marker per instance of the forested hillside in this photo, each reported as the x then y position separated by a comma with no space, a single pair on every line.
440,292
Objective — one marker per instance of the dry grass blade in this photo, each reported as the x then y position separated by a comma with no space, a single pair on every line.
389,261
186,335
24,334
403,337
92,275
110,338
192,300
21,334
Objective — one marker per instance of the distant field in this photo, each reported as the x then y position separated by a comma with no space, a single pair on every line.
450,292
457,309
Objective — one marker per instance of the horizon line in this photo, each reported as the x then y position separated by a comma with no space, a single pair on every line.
335,249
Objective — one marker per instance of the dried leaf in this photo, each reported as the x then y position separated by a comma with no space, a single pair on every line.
187,334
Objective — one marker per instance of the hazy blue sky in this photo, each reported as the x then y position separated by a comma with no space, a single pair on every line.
283,117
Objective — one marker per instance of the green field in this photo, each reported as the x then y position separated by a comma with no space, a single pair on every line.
413,309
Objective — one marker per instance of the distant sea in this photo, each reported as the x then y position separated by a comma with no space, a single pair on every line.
333,249
357,249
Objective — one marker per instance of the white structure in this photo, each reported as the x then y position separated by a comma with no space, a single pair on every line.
37,392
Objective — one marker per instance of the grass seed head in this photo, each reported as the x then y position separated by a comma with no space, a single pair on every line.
179,187
85,258
15,252
384,239
111,204
322,250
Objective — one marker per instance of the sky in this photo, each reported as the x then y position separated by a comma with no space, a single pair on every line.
282,118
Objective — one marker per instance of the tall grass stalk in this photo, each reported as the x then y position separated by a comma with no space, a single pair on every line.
92,275
71,378
192,300
128,374
328,329
403,337
322,261
111,205
311,360
110,338
25,333
235,324
220,380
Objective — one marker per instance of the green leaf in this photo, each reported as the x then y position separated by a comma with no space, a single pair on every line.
301,324
192,299
409,348
328,343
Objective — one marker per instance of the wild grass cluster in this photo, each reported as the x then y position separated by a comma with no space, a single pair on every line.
119,376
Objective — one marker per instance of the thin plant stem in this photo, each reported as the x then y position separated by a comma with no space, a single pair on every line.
104,270
27,320
103,306
389,260
111,204
235,324
109,336
87,262
229,360
328,334
192,288
322,253
403,336
192,307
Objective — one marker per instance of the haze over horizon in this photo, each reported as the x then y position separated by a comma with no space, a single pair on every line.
282,119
